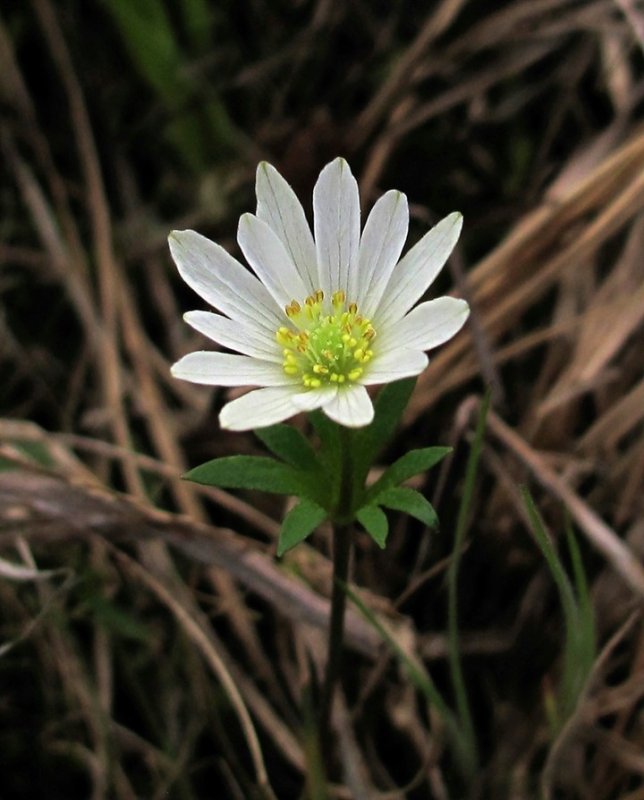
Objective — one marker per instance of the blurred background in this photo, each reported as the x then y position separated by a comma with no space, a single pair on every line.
151,646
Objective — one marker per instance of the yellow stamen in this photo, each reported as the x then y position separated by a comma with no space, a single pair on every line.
325,343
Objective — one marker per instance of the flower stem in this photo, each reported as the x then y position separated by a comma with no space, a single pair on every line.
342,542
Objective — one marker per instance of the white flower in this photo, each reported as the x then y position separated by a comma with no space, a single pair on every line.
324,316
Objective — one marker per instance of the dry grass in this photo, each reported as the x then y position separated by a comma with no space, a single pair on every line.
152,646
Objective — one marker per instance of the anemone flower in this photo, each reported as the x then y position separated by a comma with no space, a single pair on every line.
325,314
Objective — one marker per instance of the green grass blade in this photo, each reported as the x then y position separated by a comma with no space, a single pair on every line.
421,679
557,570
587,631
579,646
456,670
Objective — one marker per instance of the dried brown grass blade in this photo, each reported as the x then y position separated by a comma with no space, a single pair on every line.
623,561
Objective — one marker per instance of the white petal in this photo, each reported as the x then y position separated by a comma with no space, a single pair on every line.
258,408
336,219
223,282
396,364
279,207
234,335
351,407
314,398
417,270
224,369
270,261
382,242
432,323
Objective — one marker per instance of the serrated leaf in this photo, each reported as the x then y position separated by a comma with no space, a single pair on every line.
299,523
388,408
287,443
374,521
250,472
402,498
407,466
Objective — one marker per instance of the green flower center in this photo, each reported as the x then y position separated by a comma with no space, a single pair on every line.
323,348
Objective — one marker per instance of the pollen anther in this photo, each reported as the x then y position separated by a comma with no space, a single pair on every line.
325,343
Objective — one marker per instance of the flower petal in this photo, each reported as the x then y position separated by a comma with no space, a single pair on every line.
271,263
234,335
223,282
393,365
225,369
258,408
380,246
314,398
278,206
351,407
336,220
417,270
432,323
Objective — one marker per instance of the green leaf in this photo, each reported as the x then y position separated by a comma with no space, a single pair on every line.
374,521
329,434
330,453
402,498
299,523
250,472
289,444
410,464
389,406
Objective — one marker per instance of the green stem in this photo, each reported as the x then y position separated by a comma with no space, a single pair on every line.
342,541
